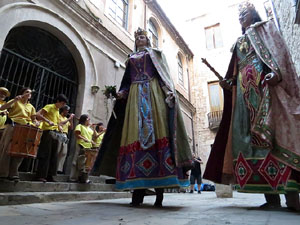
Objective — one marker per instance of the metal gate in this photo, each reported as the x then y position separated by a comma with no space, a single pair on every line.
17,71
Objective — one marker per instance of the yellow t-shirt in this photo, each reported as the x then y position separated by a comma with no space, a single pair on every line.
52,115
21,113
65,127
2,118
86,132
98,140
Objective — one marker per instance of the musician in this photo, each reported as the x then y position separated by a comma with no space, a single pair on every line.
47,154
84,135
20,111
4,93
65,125
99,131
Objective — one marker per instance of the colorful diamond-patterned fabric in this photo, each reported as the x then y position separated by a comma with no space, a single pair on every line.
255,168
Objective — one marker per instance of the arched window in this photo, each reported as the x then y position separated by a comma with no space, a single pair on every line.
180,70
153,34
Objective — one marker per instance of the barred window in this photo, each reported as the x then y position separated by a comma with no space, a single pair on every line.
118,10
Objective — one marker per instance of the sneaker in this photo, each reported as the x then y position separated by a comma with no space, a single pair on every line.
191,191
199,192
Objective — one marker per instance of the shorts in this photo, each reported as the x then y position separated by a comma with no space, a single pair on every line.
193,178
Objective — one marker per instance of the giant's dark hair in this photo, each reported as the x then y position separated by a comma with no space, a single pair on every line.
255,18
83,118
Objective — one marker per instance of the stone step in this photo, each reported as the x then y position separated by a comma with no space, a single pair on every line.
15,198
65,178
31,186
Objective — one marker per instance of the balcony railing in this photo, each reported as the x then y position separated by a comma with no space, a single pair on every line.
214,119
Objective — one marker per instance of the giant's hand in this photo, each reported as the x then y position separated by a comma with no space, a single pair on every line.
121,95
226,84
272,79
170,97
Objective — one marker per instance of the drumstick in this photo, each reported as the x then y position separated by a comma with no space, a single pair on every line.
77,118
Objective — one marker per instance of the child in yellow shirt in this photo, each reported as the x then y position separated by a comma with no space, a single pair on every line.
47,154
20,111
84,135
99,131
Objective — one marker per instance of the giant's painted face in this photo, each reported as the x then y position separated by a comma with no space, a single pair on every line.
141,41
245,18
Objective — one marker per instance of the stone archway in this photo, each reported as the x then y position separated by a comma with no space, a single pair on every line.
23,14
32,57
27,14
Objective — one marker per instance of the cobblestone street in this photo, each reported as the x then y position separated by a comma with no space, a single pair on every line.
189,209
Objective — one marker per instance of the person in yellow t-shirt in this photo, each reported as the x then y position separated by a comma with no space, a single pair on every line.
65,124
99,131
4,93
20,111
84,135
47,154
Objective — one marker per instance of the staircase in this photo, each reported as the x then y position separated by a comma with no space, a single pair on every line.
28,191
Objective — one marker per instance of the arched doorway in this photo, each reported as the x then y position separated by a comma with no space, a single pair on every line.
32,57
35,58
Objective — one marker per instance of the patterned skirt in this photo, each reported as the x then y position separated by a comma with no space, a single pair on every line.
255,168
145,159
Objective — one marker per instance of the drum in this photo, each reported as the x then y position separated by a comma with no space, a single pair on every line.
25,141
91,155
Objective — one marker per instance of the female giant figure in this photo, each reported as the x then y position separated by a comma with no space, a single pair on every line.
146,146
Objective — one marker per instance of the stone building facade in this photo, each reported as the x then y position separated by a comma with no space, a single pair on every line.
77,47
215,34
287,14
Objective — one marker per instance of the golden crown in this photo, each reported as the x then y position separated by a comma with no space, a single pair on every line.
246,5
140,31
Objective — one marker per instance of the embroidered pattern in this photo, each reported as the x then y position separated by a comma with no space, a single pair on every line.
262,50
243,171
146,128
147,164
274,172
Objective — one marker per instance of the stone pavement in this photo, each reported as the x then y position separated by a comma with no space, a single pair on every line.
184,208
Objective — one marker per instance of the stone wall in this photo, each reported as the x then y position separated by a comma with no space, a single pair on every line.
286,12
